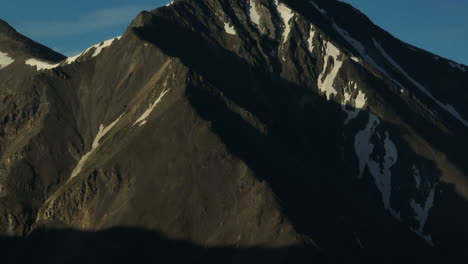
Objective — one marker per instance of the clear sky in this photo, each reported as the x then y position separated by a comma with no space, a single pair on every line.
71,26
439,26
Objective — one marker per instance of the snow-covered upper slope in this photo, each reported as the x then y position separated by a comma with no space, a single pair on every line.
98,49
42,65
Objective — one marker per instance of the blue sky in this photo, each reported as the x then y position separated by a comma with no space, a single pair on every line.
71,26
438,26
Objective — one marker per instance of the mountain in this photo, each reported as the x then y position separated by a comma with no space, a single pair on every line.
224,131
19,47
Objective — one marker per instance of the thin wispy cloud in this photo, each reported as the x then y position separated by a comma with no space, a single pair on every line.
97,20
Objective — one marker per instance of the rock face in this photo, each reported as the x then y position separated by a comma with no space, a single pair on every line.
247,129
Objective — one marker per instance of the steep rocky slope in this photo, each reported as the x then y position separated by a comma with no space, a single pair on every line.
293,126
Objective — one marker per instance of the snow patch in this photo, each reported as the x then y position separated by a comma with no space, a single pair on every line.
381,171
103,45
97,50
363,145
142,119
102,132
286,15
72,59
40,65
359,101
310,40
229,29
253,13
379,167
356,59
5,60
446,107
326,85
421,214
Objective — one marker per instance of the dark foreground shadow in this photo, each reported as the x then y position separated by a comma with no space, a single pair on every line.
135,245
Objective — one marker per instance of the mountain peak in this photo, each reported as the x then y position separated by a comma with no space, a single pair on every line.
247,124
20,46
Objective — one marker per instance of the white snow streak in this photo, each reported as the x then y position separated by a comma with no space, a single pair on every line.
229,29
286,15
41,65
103,45
381,171
363,145
70,60
326,85
379,167
356,59
422,214
447,107
102,132
253,13
97,50
359,101
5,60
142,120
310,40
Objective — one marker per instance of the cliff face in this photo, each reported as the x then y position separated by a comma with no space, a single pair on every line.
260,123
